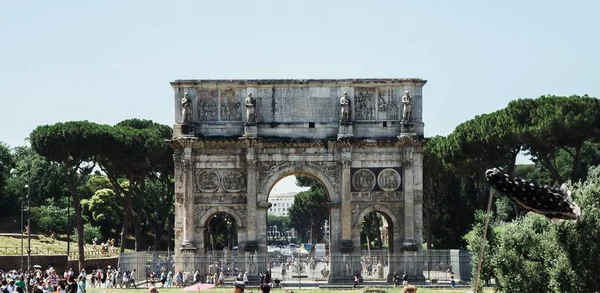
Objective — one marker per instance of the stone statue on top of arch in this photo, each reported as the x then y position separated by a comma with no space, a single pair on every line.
186,109
250,110
345,109
407,102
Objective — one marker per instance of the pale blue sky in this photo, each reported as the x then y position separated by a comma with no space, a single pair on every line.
106,61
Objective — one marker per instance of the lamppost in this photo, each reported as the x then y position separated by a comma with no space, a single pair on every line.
14,171
69,159
28,225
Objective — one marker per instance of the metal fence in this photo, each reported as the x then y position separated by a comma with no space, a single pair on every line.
146,262
374,265
73,254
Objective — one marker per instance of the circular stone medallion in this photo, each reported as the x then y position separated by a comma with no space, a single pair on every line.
389,180
363,180
208,181
233,181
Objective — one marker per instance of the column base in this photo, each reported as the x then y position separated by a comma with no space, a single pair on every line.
187,257
410,245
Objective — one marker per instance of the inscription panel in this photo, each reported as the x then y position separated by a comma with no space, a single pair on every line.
219,198
303,104
381,179
377,196
264,105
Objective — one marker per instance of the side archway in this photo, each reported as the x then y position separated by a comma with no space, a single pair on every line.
203,220
387,212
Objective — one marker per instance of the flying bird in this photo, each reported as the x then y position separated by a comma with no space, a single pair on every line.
554,203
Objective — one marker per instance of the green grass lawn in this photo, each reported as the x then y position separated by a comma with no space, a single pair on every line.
10,245
254,290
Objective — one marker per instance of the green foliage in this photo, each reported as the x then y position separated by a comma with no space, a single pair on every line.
523,253
309,210
89,233
75,145
532,254
50,217
551,123
98,182
222,232
370,230
45,179
447,209
6,163
475,239
136,150
581,240
106,210
282,223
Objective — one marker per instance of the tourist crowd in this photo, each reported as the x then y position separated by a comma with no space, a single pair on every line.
49,280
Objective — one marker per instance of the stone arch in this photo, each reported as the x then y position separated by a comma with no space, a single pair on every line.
333,194
385,211
394,229
220,209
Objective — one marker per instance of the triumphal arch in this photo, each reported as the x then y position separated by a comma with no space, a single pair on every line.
361,138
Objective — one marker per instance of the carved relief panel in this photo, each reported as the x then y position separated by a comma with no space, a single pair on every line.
230,106
219,180
208,107
387,103
364,103
376,179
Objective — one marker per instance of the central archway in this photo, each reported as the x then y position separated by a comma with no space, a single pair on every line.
304,216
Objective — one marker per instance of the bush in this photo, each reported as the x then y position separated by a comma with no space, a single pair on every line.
89,232
533,254
48,218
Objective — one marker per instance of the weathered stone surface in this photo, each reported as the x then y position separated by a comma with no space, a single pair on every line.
301,109
229,165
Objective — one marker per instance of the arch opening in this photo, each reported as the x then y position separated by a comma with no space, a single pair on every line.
376,242
298,225
221,232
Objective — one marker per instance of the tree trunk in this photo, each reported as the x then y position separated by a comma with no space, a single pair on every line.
79,223
165,213
575,165
126,216
80,238
139,234
429,235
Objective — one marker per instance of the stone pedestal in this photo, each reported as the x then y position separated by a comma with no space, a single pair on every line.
345,131
407,129
250,130
187,129
188,257
412,262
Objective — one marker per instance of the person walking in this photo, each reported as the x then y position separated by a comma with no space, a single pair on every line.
396,279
